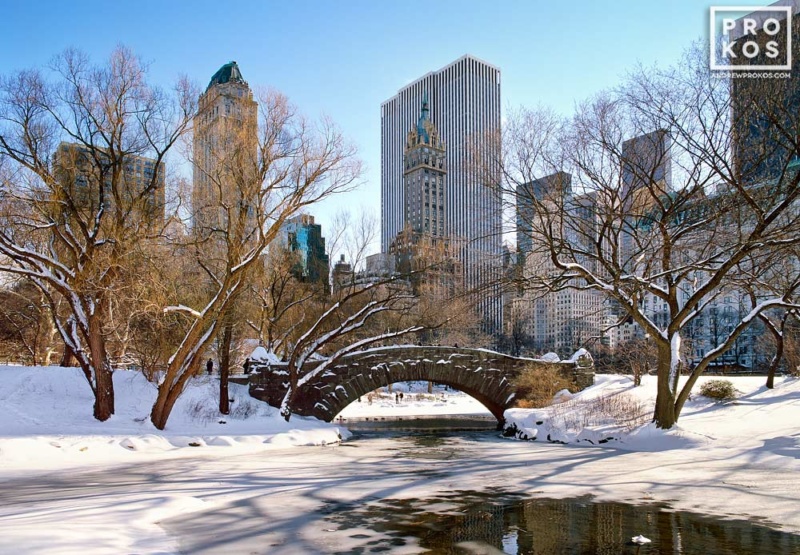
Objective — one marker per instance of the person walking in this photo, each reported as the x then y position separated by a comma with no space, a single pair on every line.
210,366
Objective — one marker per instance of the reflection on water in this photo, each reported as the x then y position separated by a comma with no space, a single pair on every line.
427,437
485,523
496,522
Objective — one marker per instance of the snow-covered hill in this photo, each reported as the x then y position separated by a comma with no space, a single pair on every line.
47,422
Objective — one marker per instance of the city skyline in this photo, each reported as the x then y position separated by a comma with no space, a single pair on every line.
349,79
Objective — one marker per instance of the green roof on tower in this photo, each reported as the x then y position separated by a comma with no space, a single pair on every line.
228,72
423,117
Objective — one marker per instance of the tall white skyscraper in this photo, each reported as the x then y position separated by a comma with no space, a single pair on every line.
464,103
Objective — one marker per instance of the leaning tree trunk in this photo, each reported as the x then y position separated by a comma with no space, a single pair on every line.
664,415
163,407
777,335
177,376
294,380
775,362
224,368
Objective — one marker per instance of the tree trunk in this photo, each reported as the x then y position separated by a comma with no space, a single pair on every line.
294,378
163,407
224,368
48,357
45,332
664,415
68,358
104,384
286,406
775,362
103,394
287,414
169,391
778,335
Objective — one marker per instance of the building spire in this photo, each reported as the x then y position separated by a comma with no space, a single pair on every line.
424,117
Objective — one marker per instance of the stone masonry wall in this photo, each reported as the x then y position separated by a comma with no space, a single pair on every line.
485,375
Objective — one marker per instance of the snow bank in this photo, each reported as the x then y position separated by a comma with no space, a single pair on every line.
616,413
260,354
550,357
576,356
416,402
48,421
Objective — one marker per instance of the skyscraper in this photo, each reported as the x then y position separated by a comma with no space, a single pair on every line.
140,186
463,101
301,235
646,162
424,175
550,187
225,143
764,111
561,320
421,250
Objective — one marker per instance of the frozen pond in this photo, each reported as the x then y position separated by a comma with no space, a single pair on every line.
496,521
384,491
401,425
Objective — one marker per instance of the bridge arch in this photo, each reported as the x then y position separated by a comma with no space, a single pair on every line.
489,387
485,375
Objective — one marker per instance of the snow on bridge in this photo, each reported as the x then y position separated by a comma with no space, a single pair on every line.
485,375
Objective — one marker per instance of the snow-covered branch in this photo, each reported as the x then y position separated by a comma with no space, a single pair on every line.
184,310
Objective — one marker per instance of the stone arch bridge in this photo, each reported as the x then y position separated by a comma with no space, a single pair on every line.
485,375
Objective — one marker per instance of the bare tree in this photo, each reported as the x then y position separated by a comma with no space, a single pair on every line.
448,319
345,327
517,336
791,349
280,303
352,234
26,324
777,329
257,185
769,275
639,355
644,237
71,208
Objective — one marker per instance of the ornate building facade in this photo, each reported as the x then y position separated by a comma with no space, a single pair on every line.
423,250
464,105
225,152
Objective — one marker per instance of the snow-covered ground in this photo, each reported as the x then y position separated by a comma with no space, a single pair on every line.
47,422
70,484
416,401
614,411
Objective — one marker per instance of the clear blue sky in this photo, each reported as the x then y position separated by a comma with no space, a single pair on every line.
344,58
